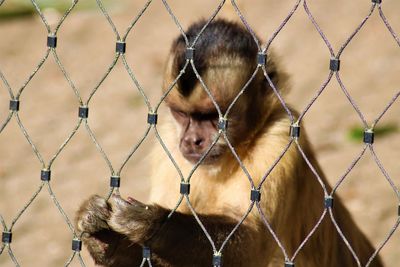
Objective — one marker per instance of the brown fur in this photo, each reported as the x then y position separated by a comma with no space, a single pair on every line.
292,198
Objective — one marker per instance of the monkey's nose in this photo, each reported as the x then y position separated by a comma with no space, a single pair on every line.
198,142
194,142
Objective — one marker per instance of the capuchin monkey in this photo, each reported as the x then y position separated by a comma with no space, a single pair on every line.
115,230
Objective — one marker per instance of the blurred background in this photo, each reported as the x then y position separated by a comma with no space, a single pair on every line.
86,44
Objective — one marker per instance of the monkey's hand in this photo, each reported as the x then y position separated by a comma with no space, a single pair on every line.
93,215
139,222
107,247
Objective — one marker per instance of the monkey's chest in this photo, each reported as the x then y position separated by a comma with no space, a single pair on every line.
210,198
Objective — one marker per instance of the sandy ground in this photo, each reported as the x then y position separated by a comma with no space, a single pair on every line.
370,67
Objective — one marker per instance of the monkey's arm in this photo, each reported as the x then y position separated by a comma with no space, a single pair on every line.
182,233
180,241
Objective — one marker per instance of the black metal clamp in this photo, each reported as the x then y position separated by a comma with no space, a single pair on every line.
76,245
120,47
222,124
189,54
14,105
368,137
185,188
334,64
83,112
52,41
294,131
6,237
152,118
146,253
217,260
115,181
45,175
255,195
261,59
328,202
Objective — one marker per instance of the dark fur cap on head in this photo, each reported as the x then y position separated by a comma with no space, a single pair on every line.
219,37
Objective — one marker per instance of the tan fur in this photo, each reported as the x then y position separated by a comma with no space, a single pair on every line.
292,198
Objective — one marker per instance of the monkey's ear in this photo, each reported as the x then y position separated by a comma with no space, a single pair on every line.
278,76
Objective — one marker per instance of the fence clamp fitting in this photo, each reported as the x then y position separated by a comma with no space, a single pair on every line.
76,245
261,59
115,181
185,188
6,237
289,264
14,105
377,1
152,118
45,175
120,47
294,131
328,201
369,136
255,195
222,124
189,54
334,64
83,112
217,259
146,253
52,41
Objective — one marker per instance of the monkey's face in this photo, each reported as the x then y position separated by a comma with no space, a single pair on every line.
225,59
197,119
197,132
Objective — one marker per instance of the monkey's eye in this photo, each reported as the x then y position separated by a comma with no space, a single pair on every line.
213,116
179,115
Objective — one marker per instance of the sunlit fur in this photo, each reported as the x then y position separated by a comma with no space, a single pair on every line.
292,198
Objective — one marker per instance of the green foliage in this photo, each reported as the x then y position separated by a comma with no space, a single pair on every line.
16,9
356,133
23,8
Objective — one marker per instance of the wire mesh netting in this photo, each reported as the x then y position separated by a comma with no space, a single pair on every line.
84,104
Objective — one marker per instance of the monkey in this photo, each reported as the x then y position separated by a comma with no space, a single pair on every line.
291,199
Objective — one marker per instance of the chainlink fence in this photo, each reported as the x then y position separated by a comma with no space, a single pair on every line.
333,72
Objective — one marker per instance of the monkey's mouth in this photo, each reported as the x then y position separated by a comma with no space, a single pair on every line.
194,158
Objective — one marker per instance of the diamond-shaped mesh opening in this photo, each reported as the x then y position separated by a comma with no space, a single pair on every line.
125,109
383,52
146,56
327,18
39,243
58,107
80,59
17,47
374,205
28,168
377,202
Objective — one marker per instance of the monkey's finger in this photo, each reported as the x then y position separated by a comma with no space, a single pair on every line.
131,200
99,207
118,200
136,203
